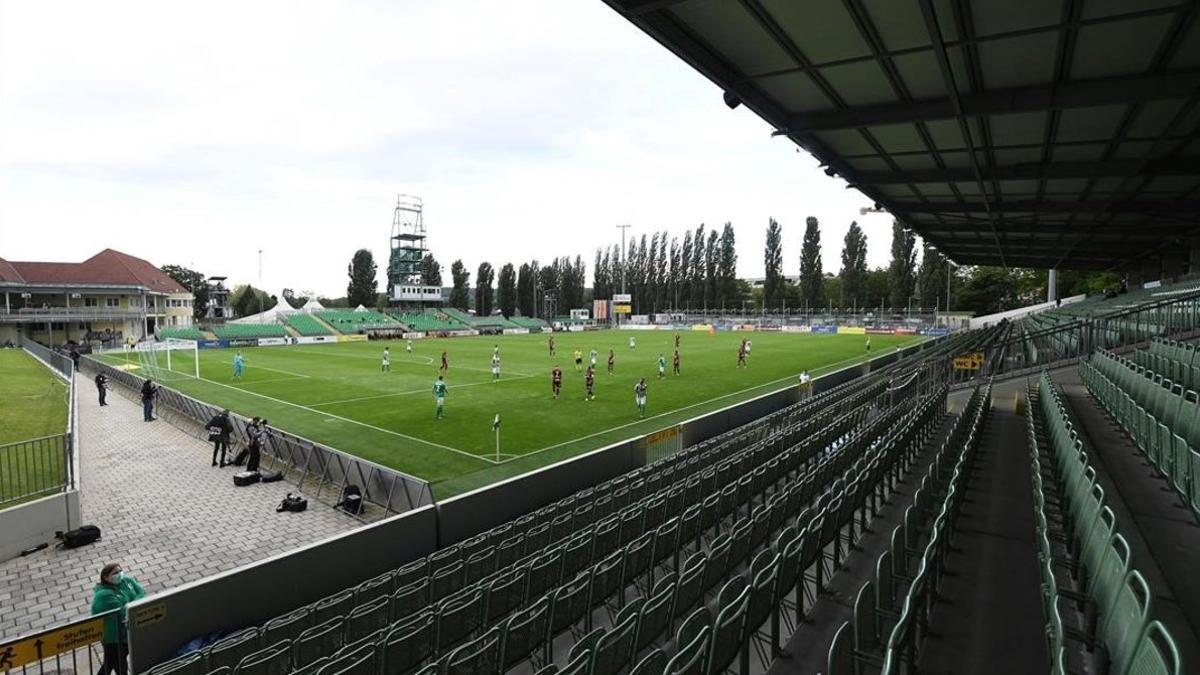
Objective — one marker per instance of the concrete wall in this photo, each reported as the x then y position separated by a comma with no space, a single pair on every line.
252,594
35,522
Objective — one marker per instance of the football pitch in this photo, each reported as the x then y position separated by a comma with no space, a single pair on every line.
339,395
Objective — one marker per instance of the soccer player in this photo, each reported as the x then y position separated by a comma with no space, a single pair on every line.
556,381
677,341
675,362
868,344
742,355
612,361
495,350
578,360
749,344
805,384
550,344
495,366
632,342
408,345
589,380
239,364
387,361
662,366
639,396
445,363
439,394
593,356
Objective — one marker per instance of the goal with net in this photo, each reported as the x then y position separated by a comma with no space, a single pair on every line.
168,359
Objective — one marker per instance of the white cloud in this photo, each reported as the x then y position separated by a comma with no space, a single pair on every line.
195,134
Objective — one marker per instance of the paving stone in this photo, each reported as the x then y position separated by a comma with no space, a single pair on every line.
166,514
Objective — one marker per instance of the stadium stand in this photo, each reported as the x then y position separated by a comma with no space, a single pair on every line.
430,320
679,562
528,322
346,321
179,333
248,331
306,325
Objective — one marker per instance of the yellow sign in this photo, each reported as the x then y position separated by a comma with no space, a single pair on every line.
662,435
972,361
622,309
150,614
34,648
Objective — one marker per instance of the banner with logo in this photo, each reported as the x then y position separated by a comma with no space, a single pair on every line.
851,330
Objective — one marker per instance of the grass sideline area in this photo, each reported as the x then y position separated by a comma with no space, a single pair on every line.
33,404
337,393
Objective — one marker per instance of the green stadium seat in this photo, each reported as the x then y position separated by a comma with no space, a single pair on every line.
409,644
478,657
360,661
525,633
653,663
179,333
273,660
249,331
459,617
367,618
286,627
336,605
318,642
1156,653
229,651
506,593
307,325
613,652
194,663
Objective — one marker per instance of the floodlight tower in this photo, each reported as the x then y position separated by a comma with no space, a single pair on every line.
407,244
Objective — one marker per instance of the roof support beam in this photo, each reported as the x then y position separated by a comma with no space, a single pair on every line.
1043,206
1185,166
636,7
1074,94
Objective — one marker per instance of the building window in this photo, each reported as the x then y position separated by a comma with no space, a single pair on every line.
112,302
91,302
85,325
57,325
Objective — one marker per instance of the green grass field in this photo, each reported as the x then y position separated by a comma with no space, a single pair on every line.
33,404
337,394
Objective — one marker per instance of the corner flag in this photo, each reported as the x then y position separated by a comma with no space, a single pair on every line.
496,422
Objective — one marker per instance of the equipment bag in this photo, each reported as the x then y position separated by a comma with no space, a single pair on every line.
241,457
270,476
81,536
292,503
351,500
245,478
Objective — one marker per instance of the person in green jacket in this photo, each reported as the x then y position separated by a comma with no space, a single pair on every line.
115,590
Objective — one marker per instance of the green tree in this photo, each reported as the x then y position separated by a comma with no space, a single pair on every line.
525,290
876,288
461,279
293,299
246,300
431,271
773,265
601,284
193,281
931,278
684,278
363,279
904,265
506,291
727,268
854,267
698,267
987,290
712,255
673,275
812,276
483,289
834,291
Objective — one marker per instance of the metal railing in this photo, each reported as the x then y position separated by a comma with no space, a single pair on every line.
322,471
37,467
71,647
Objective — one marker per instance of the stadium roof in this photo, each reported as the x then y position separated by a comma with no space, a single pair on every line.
1031,133
107,267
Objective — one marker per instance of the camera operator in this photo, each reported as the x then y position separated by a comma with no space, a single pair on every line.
257,435
219,429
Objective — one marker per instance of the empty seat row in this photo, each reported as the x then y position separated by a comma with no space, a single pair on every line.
1078,533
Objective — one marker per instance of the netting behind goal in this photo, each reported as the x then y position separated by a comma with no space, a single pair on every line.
169,359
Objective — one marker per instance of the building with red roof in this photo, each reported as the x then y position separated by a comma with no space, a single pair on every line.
110,298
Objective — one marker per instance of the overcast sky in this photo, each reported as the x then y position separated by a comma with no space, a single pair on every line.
198,133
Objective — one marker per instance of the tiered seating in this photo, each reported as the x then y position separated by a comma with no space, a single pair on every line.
528,322
179,333
352,322
611,571
249,331
1162,417
430,320
307,325
1077,530
914,561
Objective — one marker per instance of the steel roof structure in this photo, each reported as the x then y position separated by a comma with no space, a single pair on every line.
1025,133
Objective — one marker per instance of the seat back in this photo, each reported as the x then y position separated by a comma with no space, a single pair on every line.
478,657
408,645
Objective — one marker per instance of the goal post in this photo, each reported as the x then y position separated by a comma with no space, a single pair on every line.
170,357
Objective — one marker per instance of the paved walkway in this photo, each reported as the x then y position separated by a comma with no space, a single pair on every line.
167,516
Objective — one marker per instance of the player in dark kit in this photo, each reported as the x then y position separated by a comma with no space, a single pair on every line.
589,380
677,341
612,361
742,355
675,362
445,363
556,380
550,344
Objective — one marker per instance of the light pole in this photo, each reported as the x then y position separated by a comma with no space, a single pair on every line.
622,228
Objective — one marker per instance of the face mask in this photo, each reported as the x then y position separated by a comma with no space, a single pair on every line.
116,578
